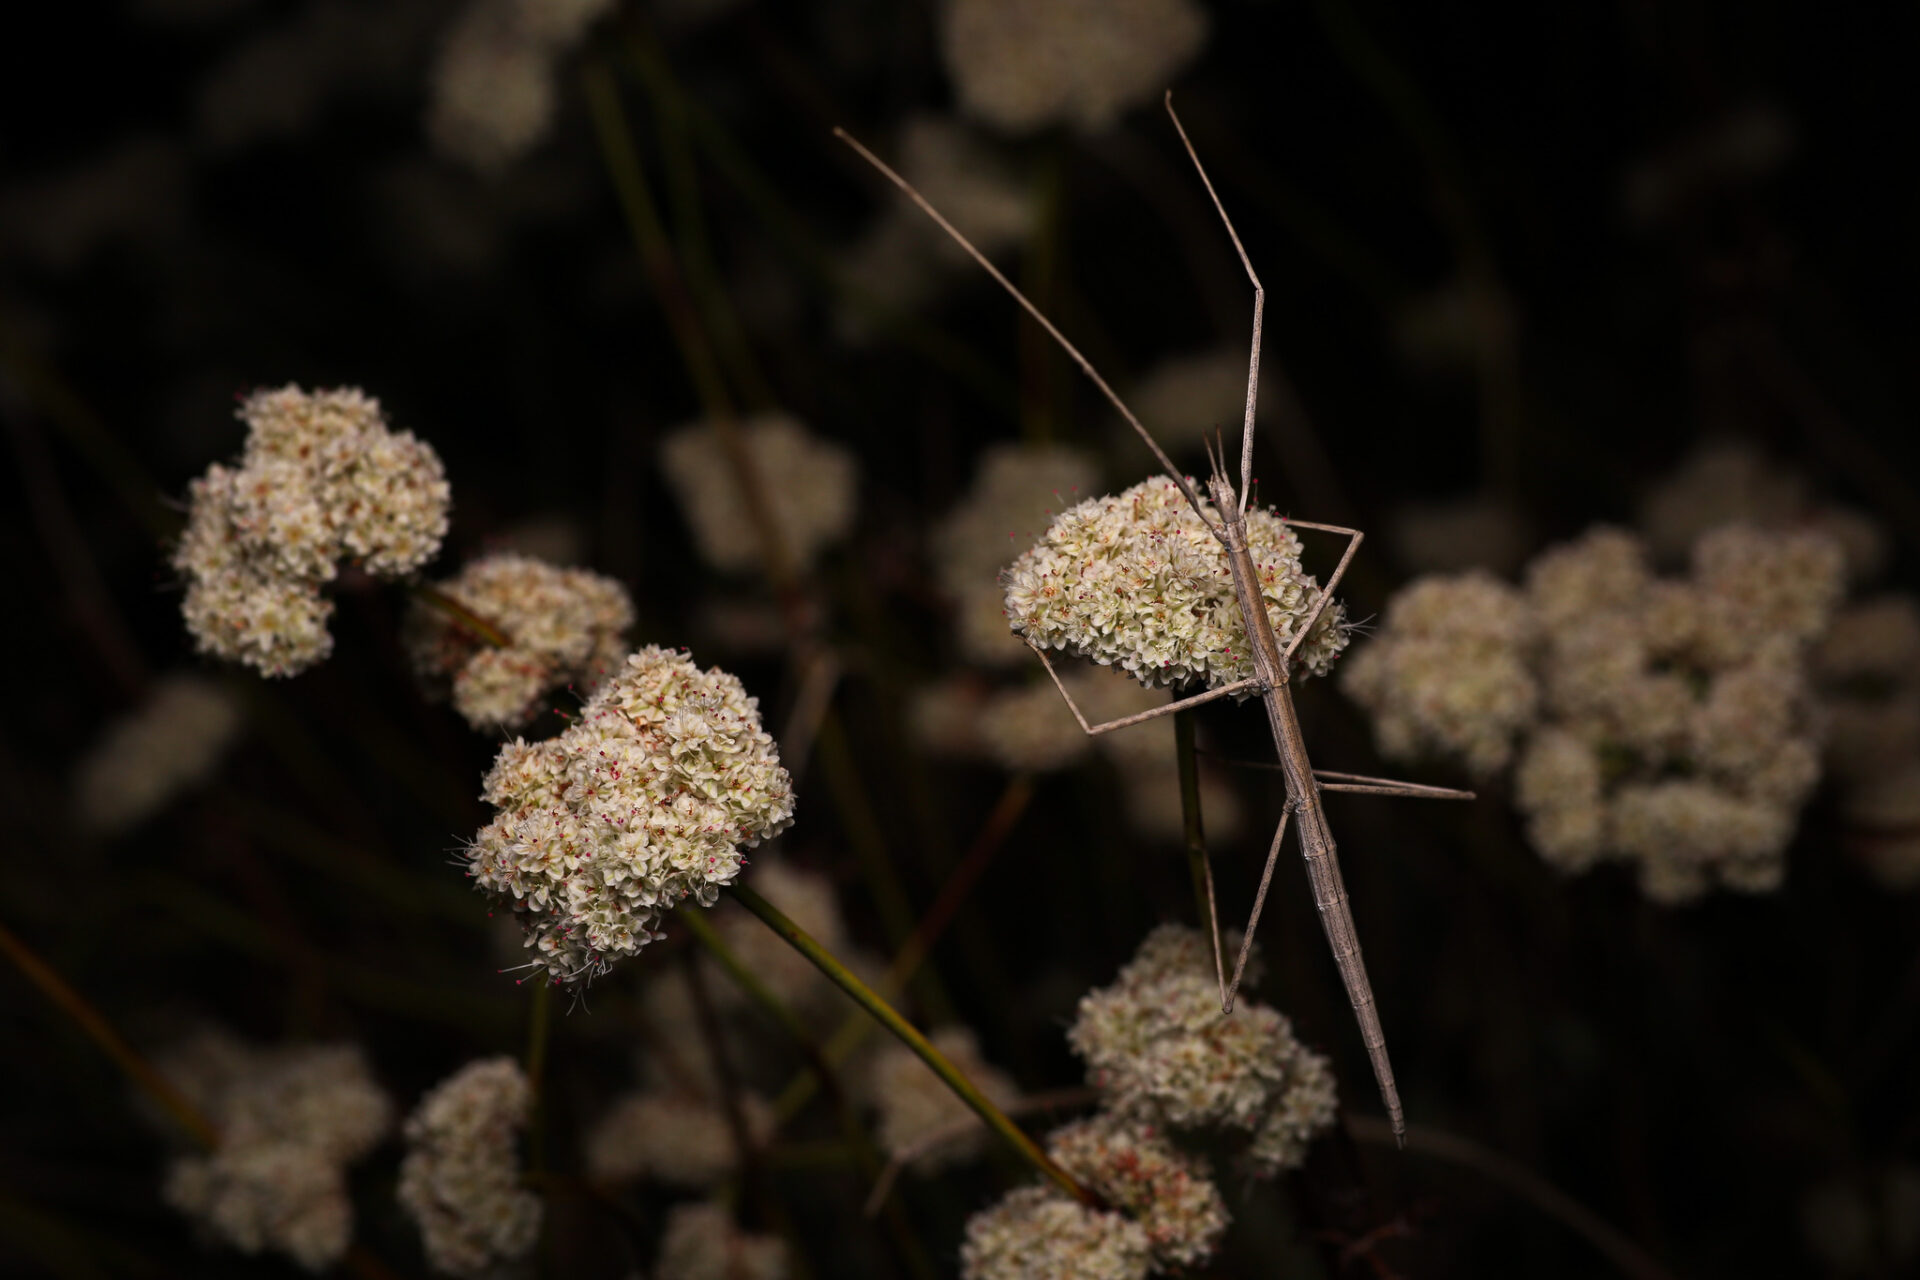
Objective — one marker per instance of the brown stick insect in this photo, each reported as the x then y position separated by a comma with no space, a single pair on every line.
1270,681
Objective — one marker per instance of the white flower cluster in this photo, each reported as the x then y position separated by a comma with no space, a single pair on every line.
807,483
1135,1168
289,1121
563,626
493,86
1161,1052
1667,723
1021,65
1729,482
642,803
322,480
171,744
1015,492
1035,1233
898,262
1867,669
1451,672
1136,580
675,1137
460,1179
702,1242
914,1103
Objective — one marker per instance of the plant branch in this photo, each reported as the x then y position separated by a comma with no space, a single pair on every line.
887,1016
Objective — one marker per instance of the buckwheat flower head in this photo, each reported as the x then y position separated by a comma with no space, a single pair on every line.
1156,1043
563,626
1760,585
643,802
1449,673
1557,788
492,90
1036,1233
289,1122
1136,580
1015,492
702,1242
169,745
460,1179
1023,66
1688,835
808,485
322,480
914,1103
1165,1190
680,1139
1602,571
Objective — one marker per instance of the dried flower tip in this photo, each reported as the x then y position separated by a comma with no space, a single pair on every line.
645,801
563,626
322,480
460,1179
170,744
1136,1169
1035,1233
678,1139
914,1103
1136,580
702,1242
807,483
1020,65
1449,672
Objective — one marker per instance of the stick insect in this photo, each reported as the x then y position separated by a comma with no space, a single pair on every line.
1270,680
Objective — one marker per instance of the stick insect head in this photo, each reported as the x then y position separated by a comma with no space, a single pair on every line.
1219,483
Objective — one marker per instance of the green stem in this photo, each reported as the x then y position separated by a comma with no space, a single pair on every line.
866,1157
888,1017
908,959
1198,864
464,618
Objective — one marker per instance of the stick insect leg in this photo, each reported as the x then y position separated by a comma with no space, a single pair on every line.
1259,902
1225,690
1259,309
1354,537
1329,780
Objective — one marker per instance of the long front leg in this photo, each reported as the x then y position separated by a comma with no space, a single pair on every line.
1259,902
1360,783
1225,690
1354,537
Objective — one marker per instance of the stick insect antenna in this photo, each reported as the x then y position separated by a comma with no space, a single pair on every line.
1259,310
1073,352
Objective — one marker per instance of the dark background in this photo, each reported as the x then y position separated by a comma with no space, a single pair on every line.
1689,1076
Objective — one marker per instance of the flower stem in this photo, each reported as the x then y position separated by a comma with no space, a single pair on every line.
865,1157
888,1017
464,618
1198,864
101,1032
